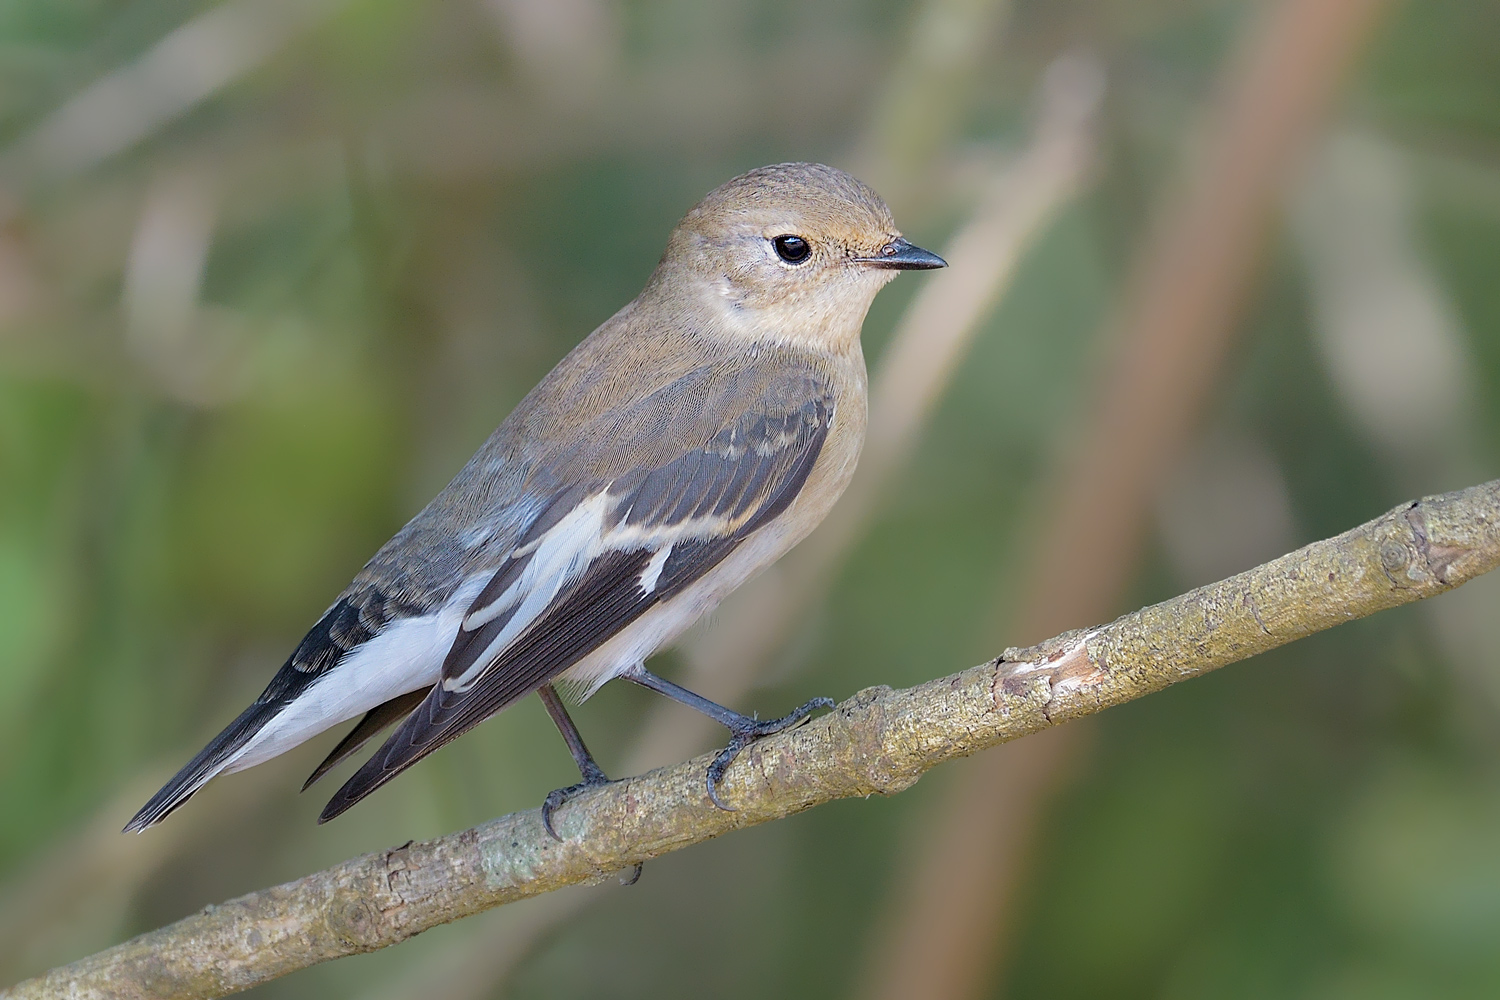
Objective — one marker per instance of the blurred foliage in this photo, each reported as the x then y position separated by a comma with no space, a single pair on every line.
408,211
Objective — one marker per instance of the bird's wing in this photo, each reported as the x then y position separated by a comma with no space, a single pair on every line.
598,558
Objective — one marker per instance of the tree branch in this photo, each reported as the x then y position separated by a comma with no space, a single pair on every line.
879,741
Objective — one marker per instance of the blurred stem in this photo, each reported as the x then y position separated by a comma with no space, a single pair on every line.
925,98
880,741
1174,331
188,66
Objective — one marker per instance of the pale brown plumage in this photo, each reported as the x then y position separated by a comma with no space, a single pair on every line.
686,443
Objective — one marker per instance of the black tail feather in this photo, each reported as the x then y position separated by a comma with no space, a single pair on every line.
195,774
374,721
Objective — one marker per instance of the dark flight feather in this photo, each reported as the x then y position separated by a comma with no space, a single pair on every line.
374,721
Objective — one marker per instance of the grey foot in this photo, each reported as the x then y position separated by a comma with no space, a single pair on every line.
741,735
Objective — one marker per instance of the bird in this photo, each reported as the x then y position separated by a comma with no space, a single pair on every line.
688,442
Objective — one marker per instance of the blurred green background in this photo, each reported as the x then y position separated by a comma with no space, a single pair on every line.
255,311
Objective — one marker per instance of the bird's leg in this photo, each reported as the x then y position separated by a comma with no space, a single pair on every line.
743,729
593,774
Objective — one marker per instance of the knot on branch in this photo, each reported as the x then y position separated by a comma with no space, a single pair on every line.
1034,680
1436,560
356,921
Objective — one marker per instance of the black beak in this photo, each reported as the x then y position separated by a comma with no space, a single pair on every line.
899,255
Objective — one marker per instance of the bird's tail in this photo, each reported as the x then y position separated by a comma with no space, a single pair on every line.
210,761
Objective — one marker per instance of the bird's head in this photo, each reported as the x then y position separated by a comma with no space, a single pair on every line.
793,252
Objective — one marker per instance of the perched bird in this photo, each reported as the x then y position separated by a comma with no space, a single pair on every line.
689,441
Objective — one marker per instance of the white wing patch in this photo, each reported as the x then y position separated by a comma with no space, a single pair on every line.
652,572
557,558
560,556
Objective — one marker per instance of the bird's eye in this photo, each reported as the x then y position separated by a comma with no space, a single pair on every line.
792,249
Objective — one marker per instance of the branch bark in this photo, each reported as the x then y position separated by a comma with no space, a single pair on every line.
879,741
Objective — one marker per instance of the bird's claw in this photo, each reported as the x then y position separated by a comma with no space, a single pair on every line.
742,735
558,796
